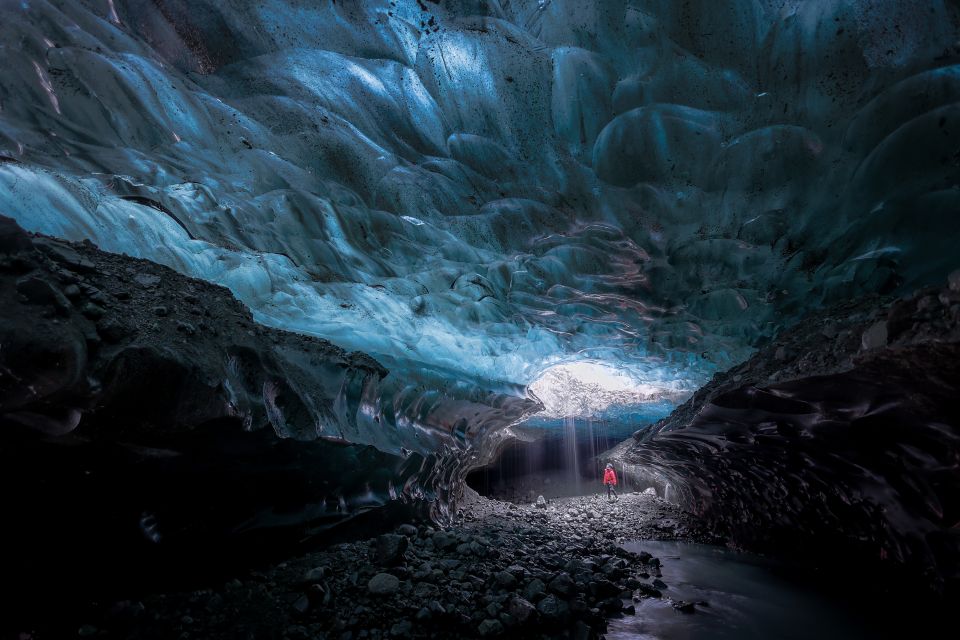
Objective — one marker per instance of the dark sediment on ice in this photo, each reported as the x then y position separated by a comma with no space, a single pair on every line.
838,441
152,433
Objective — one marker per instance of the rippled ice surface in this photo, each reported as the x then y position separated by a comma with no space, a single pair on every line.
748,598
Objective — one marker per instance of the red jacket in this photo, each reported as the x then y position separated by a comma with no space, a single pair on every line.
610,477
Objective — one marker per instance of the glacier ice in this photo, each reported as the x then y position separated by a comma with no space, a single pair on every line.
480,191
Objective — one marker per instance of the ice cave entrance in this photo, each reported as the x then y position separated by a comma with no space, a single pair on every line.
588,407
593,389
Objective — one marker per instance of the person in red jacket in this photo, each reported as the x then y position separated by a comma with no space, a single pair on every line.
610,479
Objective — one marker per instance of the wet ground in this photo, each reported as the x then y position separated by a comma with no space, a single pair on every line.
734,596
556,571
568,568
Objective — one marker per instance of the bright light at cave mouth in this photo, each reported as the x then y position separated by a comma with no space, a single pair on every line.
589,389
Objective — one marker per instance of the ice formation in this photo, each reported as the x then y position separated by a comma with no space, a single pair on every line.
586,209
476,191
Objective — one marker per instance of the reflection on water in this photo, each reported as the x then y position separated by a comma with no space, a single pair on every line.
748,598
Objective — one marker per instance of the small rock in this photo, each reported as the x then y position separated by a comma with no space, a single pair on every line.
302,604
92,311
953,280
407,530
490,628
443,540
553,609
521,610
146,280
563,585
87,630
161,311
390,549
401,629
383,584
683,606
829,331
534,589
875,336
505,579
541,502
581,631
315,575
297,632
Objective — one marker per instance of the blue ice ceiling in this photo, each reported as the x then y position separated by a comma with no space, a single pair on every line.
486,189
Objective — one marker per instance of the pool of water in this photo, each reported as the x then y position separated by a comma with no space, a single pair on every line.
748,597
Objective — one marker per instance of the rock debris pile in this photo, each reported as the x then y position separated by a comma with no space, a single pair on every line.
503,570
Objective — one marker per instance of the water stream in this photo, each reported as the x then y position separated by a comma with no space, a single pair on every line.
749,598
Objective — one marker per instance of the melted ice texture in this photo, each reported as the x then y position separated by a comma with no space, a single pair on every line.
491,188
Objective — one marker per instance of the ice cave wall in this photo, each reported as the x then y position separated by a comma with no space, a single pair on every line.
836,444
488,188
473,191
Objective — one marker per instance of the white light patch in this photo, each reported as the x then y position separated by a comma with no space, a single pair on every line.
590,388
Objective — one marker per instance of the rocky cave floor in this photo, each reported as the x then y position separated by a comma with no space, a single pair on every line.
553,571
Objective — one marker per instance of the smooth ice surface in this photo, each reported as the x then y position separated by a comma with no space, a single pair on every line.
482,189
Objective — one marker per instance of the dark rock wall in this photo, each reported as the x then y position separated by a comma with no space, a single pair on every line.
149,429
840,441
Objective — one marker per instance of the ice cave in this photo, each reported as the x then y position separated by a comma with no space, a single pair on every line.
372,319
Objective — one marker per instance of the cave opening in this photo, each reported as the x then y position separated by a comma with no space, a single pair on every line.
588,406
553,465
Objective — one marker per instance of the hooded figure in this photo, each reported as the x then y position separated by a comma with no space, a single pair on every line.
610,480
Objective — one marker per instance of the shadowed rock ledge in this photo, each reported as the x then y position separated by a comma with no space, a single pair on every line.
148,424
838,441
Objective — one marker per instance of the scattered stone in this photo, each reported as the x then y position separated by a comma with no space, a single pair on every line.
490,628
92,311
534,589
505,573
953,280
383,584
683,606
505,579
146,280
562,585
553,609
401,629
314,575
541,502
875,337
521,610
302,604
390,549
